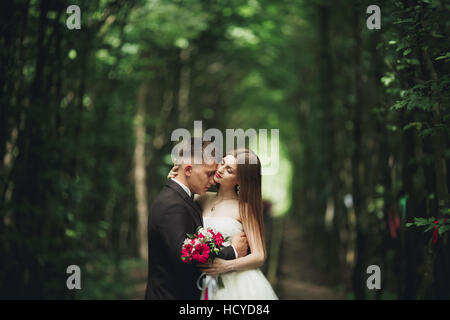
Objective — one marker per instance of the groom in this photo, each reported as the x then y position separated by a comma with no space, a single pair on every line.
173,214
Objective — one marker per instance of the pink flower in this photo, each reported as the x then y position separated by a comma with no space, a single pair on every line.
185,257
186,253
218,239
188,247
201,253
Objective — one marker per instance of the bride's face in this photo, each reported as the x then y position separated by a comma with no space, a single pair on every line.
226,173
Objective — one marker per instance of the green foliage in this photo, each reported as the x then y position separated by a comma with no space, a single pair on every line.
104,277
431,223
425,96
352,105
420,83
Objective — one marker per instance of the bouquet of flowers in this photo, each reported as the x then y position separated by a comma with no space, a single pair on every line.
203,246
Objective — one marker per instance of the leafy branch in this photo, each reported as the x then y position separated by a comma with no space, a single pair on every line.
440,225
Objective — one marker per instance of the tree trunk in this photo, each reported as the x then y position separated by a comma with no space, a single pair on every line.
140,173
330,223
358,282
184,87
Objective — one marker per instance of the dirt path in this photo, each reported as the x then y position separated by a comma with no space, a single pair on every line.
137,290
297,277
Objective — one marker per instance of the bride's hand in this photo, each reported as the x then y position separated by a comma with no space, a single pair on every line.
173,172
219,266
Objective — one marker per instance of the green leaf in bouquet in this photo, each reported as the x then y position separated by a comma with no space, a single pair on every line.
190,235
429,228
212,247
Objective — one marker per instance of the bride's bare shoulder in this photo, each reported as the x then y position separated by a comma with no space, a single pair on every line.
204,199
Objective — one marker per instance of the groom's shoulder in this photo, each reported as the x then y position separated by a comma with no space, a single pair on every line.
167,191
167,199
165,208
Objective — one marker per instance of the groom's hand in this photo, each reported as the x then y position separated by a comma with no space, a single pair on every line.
239,242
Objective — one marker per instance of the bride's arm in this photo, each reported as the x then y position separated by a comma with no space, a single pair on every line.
250,261
253,260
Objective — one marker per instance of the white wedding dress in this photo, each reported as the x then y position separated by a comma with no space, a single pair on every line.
238,285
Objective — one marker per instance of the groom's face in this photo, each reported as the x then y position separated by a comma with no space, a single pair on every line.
202,177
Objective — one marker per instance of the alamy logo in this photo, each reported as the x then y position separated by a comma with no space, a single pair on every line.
374,281
258,142
74,20
374,20
73,281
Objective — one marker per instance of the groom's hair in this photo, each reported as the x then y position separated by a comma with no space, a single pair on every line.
193,152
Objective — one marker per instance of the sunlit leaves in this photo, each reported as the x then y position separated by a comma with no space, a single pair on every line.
388,78
425,95
446,57
242,36
72,54
103,55
167,22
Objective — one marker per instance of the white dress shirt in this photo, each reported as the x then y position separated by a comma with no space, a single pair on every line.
188,191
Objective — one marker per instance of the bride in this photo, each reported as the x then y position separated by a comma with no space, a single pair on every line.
237,207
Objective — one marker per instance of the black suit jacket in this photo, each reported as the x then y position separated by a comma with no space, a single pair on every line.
172,215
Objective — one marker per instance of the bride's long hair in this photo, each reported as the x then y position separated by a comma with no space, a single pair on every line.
249,192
